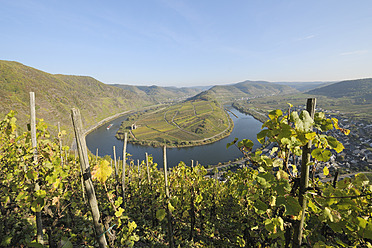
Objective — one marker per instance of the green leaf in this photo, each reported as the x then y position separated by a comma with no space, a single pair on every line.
170,207
6,241
335,144
275,114
327,215
260,206
367,232
65,243
37,205
321,154
282,188
40,193
292,207
119,201
285,131
131,226
232,143
262,135
310,136
361,180
35,244
199,198
160,214
246,143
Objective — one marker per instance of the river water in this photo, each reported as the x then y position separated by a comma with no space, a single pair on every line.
245,127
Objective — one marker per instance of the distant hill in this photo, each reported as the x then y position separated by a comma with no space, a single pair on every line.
305,86
57,94
359,90
161,94
246,89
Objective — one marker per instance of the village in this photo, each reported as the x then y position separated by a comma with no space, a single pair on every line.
356,156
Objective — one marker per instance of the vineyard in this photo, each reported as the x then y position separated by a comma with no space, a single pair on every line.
190,123
53,198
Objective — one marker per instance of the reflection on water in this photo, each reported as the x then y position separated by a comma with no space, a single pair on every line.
245,127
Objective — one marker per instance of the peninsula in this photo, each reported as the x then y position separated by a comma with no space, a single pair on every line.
189,123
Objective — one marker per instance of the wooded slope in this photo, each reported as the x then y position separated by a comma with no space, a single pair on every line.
246,89
57,94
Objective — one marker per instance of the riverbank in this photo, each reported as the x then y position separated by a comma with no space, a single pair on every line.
254,113
245,127
110,118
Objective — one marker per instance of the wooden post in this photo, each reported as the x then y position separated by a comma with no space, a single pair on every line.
170,228
124,164
192,163
148,169
39,223
60,142
304,180
139,174
116,168
85,168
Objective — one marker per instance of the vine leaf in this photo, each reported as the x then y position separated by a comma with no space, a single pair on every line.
102,171
160,214
321,154
325,171
292,207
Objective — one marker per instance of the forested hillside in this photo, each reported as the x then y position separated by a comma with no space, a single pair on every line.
161,94
246,89
57,94
359,90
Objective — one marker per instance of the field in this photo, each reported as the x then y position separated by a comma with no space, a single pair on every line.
184,124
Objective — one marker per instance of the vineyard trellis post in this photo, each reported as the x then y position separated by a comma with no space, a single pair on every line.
116,168
139,174
304,180
148,170
39,223
170,228
124,164
60,142
85,168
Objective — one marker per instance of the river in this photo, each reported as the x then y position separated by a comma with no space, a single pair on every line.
245,127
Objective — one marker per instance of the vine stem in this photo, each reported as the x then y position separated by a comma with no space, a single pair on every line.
304,180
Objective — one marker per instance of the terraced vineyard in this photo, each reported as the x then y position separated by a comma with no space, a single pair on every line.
188,123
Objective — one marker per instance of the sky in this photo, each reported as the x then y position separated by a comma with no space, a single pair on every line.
190,42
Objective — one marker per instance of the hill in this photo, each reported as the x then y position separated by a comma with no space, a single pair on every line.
161,94
304,86
188,123
57,94
359,90
246,89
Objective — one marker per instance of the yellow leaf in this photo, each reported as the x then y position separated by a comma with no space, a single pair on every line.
346,131
119,212
102,171
325,171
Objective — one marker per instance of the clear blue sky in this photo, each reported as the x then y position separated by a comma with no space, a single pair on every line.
190,42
